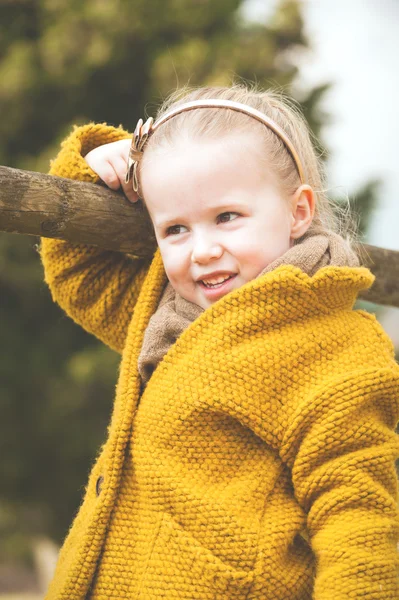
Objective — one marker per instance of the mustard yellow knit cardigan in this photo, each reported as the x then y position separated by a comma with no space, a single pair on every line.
259,461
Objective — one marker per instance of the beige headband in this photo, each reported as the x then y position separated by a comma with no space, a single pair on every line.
144,130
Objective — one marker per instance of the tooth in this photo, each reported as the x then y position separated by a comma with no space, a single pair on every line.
217,280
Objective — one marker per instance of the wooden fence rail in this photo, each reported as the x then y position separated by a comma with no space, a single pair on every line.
44,205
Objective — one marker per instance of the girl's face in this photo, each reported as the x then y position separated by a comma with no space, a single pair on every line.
218,213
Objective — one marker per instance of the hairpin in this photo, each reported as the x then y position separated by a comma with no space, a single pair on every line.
140,136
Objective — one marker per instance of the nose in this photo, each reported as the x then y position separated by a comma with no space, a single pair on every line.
205,249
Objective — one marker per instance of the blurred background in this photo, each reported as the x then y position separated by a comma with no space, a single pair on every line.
64,62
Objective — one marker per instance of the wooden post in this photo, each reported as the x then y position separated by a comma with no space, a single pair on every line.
44,205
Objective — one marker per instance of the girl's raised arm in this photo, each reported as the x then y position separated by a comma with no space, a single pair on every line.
97,288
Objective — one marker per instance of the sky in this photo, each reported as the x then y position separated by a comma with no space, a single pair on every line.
350,40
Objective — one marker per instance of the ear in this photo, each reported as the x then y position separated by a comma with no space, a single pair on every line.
302,210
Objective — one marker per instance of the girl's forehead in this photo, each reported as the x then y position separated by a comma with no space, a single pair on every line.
203,174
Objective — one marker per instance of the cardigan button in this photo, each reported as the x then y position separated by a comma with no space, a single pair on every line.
99,485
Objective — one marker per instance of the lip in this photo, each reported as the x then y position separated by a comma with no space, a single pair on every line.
215,293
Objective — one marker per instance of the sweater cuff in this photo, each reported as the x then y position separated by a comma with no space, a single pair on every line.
70,161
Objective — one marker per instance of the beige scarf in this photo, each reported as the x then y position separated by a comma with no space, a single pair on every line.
174,314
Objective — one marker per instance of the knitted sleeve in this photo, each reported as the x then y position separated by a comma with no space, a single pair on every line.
341,446
97,288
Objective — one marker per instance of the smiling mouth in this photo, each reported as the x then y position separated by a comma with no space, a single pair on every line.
216,285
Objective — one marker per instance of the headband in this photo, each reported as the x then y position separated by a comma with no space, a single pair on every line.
144,130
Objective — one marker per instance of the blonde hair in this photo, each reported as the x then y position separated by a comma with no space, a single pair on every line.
215,123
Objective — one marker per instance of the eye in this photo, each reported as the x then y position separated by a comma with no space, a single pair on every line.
173,230
225,217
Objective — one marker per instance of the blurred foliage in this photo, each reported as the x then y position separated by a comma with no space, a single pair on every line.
363,205
65,62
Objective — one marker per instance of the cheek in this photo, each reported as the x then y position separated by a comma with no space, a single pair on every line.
260,246
175,263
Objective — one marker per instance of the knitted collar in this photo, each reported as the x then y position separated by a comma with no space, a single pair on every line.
174,314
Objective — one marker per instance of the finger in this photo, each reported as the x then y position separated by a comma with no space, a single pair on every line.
103,168
107,174
120,167
110,176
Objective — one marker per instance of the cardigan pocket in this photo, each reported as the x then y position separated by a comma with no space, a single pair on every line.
179,567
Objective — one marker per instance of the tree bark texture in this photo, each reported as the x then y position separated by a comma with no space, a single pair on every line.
45,205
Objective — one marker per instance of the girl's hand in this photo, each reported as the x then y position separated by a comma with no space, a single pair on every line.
110,163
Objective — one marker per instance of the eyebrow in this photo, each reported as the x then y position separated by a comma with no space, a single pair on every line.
225,207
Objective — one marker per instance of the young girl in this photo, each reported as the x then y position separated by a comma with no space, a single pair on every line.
251,451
